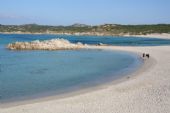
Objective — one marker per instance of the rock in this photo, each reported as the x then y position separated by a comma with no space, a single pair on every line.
53,44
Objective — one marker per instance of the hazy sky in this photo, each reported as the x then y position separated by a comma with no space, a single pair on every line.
66,12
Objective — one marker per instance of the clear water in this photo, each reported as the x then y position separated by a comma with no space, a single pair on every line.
121,41
30,73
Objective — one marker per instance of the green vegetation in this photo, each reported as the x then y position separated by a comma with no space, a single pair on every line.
107,29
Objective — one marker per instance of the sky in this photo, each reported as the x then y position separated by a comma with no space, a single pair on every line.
92,12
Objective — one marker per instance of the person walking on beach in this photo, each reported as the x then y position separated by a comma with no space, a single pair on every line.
147,55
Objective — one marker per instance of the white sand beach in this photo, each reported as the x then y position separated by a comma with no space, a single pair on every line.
153,35
148,91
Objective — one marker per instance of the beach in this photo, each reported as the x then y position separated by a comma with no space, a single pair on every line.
151,35
145,91
154,35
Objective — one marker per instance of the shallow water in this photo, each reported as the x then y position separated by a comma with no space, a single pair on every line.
26,73
120,41
30,73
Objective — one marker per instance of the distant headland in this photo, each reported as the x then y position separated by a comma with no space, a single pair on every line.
82,29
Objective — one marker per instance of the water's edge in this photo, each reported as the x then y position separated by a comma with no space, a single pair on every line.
81,90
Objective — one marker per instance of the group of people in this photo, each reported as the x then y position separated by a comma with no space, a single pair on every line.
146,55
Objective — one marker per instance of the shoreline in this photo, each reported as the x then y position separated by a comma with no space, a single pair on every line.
104,83
153,35
147,64
109,92
146,91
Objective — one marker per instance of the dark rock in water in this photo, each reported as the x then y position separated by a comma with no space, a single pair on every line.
101,44
128,77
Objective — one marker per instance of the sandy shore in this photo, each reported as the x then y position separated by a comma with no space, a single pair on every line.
154,35
147,92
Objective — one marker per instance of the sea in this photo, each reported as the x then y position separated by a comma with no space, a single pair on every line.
32,74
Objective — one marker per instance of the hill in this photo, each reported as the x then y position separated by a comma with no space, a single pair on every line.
82,29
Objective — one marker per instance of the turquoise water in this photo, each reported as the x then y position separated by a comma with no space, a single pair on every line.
121,41
25,74
31,73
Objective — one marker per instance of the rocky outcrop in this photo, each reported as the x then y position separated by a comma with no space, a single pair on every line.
53,44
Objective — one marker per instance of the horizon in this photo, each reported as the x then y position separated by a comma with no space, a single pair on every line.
65,13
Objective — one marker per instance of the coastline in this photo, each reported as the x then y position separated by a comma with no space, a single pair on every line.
153,35
90,88
148,90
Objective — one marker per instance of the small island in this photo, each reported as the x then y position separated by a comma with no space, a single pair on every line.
53,44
